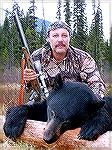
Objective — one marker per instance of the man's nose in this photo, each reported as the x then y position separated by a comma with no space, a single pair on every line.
60,38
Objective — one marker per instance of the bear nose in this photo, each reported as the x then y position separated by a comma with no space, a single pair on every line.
52,131
47,136
50,140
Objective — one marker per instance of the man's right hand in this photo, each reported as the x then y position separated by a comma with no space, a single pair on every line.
29,74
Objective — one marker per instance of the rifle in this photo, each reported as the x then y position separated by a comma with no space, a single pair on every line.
38,84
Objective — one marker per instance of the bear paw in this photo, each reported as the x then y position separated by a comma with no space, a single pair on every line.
15,121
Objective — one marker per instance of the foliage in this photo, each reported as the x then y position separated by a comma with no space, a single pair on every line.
88,39
67,12
0,38
5,40
79,24
58,13
110,49
96,45
35,39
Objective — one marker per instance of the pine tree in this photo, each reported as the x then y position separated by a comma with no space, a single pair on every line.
1,45
96,44
16,40
32,10
31,33
10,46
1,38
67,12
59,5
43,29
79,24
110,49
5,40
17,44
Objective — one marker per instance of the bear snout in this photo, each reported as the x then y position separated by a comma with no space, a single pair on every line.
52,131
48,138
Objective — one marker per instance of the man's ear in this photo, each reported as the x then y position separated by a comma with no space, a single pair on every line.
96,105
58,82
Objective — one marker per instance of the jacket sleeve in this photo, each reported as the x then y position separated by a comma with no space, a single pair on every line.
90,74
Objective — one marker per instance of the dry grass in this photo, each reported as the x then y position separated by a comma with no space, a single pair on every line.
10,145
8,97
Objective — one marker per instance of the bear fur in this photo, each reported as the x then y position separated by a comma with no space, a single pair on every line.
68,106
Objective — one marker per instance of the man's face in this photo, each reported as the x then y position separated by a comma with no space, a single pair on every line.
59,40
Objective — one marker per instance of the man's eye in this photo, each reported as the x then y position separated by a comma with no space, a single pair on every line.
64,35
55,35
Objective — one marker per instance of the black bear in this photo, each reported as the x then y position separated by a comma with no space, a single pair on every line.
68,106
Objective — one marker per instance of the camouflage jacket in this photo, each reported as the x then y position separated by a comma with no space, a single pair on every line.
78,66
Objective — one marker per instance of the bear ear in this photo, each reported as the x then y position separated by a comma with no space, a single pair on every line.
96,105
58,82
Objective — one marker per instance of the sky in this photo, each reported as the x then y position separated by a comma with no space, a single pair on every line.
50,9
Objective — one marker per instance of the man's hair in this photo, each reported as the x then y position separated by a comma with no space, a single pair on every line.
58,25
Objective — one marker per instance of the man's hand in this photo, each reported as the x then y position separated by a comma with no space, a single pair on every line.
29,74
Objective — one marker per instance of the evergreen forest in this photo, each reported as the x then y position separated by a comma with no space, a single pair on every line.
90,39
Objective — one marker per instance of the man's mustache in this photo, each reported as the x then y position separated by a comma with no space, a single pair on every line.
60,44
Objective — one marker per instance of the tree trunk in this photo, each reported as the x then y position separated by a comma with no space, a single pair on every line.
33,134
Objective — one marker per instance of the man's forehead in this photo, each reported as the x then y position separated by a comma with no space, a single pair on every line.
59,25
59,31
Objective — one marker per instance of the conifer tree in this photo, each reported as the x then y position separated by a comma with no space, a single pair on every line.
43,29
31,12
1,38
31,33
110,49
5,42
79,24
59,6
67,12
16,40
96,44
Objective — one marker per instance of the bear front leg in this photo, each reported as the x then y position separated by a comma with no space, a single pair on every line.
17,116
15,121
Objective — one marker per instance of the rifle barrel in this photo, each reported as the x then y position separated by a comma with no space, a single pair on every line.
20,30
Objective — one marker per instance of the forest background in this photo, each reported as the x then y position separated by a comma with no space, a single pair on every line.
89,38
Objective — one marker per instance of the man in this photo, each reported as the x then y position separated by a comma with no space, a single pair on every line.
58,56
